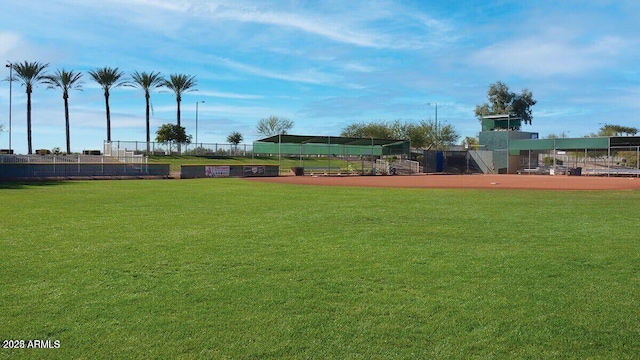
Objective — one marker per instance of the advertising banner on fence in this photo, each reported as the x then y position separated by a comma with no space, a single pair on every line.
216,171
253,171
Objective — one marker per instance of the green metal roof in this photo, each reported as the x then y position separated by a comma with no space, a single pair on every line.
328,145
573,144
337,140
502,121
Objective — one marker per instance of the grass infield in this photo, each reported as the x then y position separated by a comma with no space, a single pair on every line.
226,268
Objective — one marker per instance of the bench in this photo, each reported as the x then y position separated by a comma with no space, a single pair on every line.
322,169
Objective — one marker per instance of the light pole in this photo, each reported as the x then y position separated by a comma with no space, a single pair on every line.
197,103
10,66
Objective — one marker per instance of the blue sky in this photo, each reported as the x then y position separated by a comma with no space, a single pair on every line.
323,64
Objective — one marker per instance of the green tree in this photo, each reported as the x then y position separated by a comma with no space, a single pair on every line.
147,82
630,158
617,130
108,78
172,134
471,143
30,74
378,130
65,80
440,135
273,125
504,102
422,135
563,135
234,138
416,133
179,84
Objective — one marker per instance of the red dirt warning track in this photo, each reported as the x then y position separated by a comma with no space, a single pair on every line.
530,182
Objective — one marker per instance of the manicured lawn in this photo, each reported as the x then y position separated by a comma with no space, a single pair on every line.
227,268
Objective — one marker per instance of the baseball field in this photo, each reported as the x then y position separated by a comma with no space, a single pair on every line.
233,268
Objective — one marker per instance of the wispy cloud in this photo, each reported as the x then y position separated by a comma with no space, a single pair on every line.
366,24
9,42
324,63
229,95
311,76
358,67
549,55
15,47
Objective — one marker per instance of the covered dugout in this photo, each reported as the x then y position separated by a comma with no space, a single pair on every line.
331,146
616,155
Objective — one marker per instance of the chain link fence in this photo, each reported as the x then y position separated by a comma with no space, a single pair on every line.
124,148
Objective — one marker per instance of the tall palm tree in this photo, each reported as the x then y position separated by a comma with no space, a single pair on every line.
108,78
65,80
179,83
147,82
30,73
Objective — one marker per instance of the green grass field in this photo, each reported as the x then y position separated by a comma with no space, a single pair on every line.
228,268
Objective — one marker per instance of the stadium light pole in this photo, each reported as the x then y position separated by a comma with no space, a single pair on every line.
197,103
10,66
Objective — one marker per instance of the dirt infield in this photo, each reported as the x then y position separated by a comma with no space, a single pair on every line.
530,182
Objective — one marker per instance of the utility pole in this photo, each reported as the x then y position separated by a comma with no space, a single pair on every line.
10,66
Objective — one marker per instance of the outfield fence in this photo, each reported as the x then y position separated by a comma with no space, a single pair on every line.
140,148
14,171
59,159
15,167
217,171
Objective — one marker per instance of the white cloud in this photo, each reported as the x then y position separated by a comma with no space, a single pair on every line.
229,95
311,76
16,48
358,67
173,6
338,61
549,56
557,43
352,23
9,42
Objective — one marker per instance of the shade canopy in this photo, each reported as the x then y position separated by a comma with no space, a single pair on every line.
331,145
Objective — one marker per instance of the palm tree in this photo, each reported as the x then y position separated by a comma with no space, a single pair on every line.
147,82
65,80
179,83
108,78
235,138
30,73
